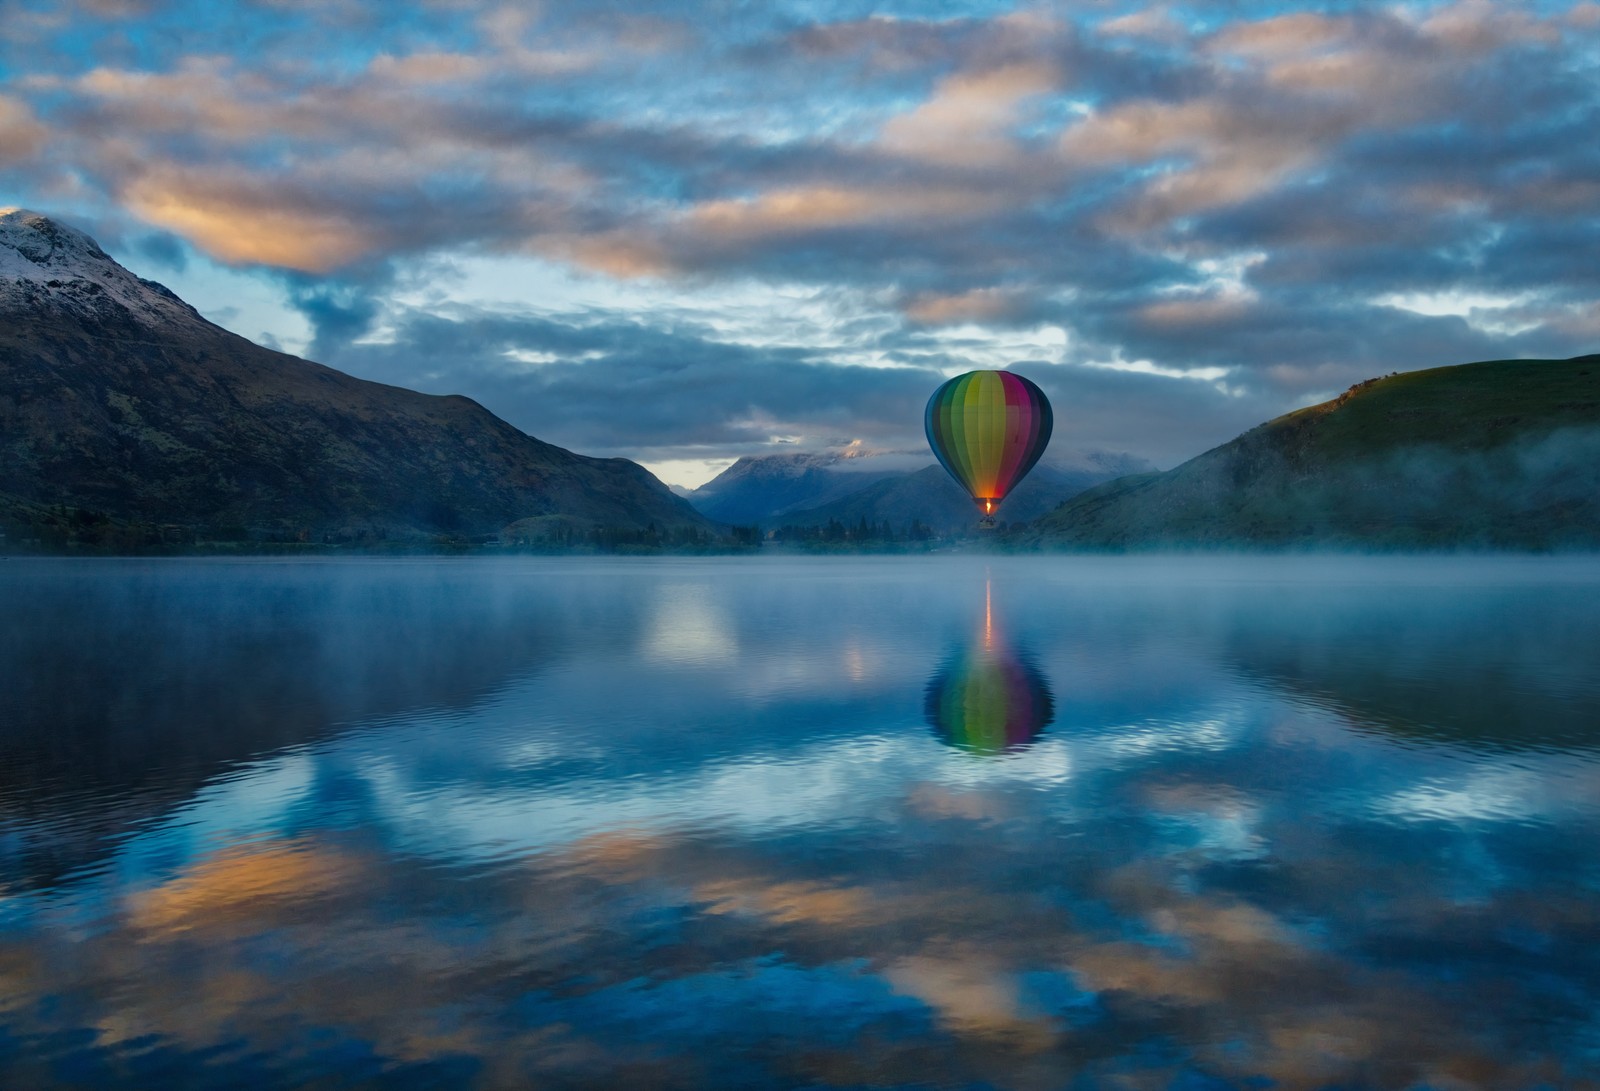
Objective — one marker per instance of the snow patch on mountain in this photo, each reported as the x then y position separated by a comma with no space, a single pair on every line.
47,266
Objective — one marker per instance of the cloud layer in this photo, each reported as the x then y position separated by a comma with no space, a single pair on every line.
1268,199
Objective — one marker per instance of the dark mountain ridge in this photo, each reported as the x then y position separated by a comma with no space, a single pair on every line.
119,400
1503,454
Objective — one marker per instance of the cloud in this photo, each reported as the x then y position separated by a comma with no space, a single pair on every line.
977,305
969,118
21,135
1291,35
689,390
338,313
945,168
163,249
246,220
1157,22
559,380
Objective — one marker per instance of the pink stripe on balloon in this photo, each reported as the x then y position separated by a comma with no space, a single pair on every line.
1020,428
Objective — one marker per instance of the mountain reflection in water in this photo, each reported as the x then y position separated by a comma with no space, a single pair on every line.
682,823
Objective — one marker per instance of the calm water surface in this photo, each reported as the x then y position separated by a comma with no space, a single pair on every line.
919,822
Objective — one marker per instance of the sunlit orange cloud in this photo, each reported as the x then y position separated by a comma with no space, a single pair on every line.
1157,23
21,136
977,305
1240,148
1479,26
966,121
886,43
1282,35
506,30
786,210
203,96
1196,311
1237,152
1213,128
429,67
810,208
627,255
1350,72
1140,130
242,225
1206,186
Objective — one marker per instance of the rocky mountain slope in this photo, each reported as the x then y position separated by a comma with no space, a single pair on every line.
119,403
1497,455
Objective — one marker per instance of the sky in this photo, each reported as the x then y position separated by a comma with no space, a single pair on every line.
682,233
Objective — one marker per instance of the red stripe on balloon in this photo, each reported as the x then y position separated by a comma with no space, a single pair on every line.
1019,412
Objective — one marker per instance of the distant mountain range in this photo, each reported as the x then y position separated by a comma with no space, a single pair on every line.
1497,455
759,489
120,405
850,484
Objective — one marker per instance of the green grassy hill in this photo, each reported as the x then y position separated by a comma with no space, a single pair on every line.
1497,455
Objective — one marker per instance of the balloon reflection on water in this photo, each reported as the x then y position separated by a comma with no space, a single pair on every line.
988,698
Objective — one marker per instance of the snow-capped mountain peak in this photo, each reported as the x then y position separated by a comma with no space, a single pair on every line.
46,265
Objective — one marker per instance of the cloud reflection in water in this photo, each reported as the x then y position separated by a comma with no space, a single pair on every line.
758,868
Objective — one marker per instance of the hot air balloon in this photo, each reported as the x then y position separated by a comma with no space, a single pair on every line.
987,429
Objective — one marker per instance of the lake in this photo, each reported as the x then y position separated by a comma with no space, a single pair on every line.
929,821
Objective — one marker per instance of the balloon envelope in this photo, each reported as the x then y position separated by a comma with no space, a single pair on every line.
988,429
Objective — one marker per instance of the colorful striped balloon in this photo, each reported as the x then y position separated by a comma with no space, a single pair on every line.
988,429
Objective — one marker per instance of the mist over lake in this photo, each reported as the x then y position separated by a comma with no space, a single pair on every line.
928,821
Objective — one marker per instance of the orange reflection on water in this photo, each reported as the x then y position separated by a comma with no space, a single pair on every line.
239,882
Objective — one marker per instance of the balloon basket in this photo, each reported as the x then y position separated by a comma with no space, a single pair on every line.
986,523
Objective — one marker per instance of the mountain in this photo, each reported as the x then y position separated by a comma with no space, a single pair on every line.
761,488
931,497
1503,454
119,404
851,483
